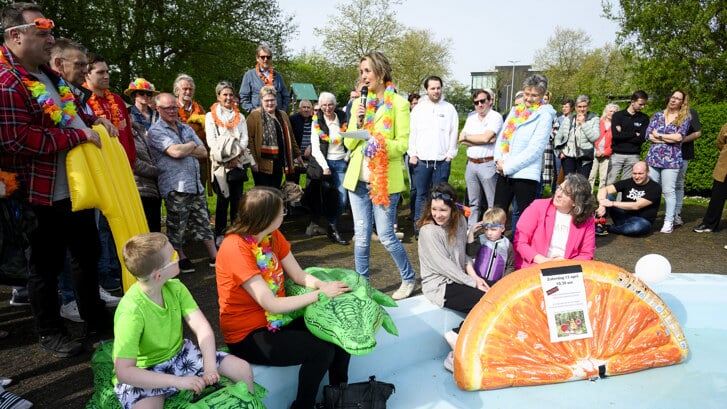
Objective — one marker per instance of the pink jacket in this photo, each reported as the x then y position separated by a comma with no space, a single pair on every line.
535,228
604,139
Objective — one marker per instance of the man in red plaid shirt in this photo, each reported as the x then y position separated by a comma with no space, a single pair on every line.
40,121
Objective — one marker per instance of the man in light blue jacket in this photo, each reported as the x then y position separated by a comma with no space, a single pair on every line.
260,76
520,145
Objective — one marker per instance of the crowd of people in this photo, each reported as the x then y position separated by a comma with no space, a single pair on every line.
53,91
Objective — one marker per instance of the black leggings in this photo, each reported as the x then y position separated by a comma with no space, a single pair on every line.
462,298
294,345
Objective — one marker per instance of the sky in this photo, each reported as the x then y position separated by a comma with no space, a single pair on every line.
476,28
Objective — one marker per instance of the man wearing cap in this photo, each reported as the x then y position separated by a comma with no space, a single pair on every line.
432,141
260,76
106,104
141,92
34,141
478,135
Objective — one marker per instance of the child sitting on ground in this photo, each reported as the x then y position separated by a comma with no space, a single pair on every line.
151,358
491,250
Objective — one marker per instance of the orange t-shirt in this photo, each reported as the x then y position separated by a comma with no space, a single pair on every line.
240,314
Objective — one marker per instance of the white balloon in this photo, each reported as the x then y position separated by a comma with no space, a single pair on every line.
652,268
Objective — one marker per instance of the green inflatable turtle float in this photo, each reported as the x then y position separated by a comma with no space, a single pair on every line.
351,320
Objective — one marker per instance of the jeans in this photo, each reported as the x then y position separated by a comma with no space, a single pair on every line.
109,267
556,169
427,173
65,285
338,171
480,177
577,165
364,214
624,222
667,178
620,163
680,187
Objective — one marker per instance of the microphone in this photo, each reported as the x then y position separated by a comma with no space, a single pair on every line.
364,93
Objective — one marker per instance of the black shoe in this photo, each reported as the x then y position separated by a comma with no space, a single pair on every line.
702,228
186,266
111,283
335,236
60,345
601,230
212,262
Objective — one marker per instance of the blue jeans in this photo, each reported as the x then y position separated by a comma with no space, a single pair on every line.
338,171
427,173
109,267
680,186
65,285
364,214
667,178
627,224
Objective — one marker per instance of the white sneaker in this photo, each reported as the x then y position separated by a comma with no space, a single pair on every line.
70,312
667,228
678,222
110,300
451,338
404,291
449,361
399,235
313,230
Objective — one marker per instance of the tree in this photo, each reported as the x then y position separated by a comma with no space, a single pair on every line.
573,68
415,55
360,27
207,39
675,44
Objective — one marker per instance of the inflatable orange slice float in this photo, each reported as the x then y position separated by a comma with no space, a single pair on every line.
506,339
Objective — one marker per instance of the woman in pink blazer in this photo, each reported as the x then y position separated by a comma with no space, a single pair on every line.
558,228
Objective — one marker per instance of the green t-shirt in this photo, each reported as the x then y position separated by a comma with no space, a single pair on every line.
147,332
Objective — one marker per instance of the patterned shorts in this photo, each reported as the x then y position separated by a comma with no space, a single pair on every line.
187,362
187,210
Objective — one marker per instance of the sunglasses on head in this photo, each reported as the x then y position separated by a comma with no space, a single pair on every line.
488,226
39,23
444,196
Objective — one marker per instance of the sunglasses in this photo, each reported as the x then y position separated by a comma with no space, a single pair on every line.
265,57
39,23
480,101
444,196
488,226
173,261
145,93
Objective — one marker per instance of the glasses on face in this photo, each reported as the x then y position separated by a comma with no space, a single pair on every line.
39,23
480,101
169,108
265,57
144,93
489,226
77,64
441,195
174,260
564,191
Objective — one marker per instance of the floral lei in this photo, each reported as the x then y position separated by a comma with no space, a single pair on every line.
263,77
218,121
375,149
58,115
324,136
522,113
99,110
264,258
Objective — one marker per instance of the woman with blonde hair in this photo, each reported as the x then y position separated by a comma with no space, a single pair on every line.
666,131
602,148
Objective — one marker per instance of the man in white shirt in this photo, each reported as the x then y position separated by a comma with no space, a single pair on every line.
432,141
479,134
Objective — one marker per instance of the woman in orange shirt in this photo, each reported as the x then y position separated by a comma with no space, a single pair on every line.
252,263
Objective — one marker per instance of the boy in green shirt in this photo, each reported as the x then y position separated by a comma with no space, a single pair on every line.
151,358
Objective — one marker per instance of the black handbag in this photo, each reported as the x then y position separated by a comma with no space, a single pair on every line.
236,175
314,170
364,395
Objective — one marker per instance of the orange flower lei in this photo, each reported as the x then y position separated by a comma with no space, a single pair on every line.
262,76
228,125
521,114
375,149
99,110
11,182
